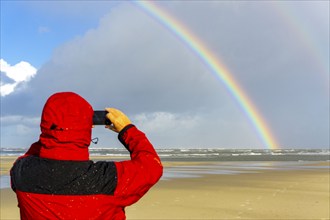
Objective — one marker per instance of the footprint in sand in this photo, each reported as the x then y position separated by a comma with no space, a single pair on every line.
239,215
155,204
246,204
280,191
283,190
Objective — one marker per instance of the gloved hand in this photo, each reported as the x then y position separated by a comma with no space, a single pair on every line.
118,119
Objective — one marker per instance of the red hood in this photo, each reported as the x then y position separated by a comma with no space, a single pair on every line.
66,127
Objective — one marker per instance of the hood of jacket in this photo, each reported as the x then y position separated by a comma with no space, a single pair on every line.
66,127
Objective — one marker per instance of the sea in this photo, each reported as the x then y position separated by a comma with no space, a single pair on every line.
237,160
209,154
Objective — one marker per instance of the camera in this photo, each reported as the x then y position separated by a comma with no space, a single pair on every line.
100,118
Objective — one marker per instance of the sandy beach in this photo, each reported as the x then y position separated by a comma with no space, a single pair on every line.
292,192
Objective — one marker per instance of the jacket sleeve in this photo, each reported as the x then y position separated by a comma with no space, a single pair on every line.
136,176
33,150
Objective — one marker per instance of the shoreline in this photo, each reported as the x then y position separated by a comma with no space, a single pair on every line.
251,190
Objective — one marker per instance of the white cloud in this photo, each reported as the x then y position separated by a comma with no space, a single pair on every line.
6,89
19,130
19,119
165,121
19,73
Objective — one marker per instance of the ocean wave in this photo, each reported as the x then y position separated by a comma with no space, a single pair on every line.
210,154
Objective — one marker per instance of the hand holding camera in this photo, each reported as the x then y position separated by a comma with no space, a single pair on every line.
112,118
118,119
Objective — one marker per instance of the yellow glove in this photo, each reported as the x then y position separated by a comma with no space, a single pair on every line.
118,119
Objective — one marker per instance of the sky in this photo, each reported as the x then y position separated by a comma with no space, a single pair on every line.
117,54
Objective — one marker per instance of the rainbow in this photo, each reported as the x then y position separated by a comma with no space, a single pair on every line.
217,68
303,32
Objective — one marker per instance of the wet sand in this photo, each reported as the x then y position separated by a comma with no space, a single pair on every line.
300,192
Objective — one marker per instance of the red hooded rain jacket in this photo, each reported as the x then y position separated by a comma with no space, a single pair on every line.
56,180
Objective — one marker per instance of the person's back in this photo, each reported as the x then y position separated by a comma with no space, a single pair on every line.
56,180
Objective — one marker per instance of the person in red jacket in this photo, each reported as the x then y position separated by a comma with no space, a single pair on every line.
55,178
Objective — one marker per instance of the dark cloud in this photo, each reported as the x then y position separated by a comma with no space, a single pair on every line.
130,62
